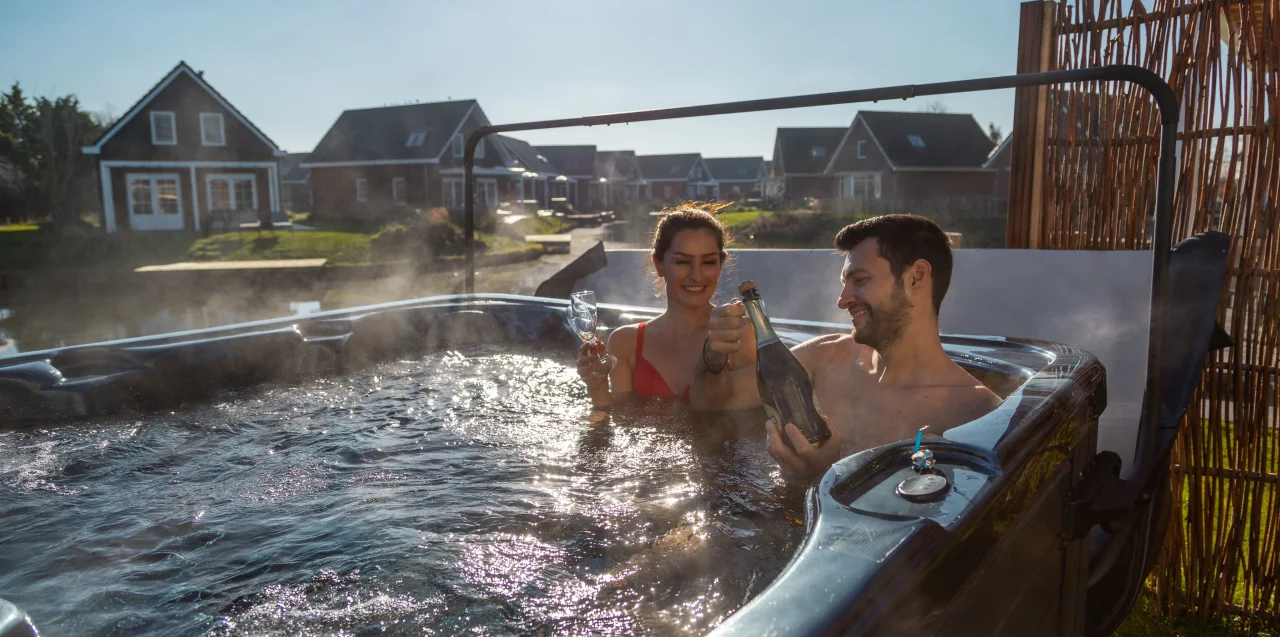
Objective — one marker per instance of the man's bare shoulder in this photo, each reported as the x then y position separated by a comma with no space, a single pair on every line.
831,350
975,401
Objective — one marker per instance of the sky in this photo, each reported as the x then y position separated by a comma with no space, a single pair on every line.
292,67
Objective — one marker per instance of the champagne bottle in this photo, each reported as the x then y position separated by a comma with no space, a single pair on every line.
784,385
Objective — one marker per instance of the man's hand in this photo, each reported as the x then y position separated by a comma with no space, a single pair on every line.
806,462
727,328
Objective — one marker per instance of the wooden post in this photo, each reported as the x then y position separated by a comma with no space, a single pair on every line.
1036,53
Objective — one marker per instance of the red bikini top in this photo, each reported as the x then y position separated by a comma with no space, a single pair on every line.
646,381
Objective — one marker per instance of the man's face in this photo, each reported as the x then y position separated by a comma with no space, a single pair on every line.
875,299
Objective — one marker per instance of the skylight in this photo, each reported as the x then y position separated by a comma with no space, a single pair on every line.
915,141
416,138
818,151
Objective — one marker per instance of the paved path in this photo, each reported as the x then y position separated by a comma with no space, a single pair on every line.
538,271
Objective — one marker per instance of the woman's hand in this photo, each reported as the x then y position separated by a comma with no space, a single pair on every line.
593,368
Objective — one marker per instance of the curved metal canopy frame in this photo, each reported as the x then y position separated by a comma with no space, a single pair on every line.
1146,453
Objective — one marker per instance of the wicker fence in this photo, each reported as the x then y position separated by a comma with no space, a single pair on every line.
1083,177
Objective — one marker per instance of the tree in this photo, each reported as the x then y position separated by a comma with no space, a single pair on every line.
994,132
936,106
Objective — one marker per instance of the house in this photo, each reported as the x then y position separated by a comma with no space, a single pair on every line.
737,177
583,186
179,154
1001,161
800,159
538,176
375,159
673,178
626,184
912,155
295,183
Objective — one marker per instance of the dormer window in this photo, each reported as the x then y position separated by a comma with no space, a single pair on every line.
915,141
212,132
164,129
817,151
457,145
416,138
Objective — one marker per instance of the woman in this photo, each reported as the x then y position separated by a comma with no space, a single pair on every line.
656,359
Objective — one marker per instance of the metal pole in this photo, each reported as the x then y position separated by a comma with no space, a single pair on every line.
1166,101
469,211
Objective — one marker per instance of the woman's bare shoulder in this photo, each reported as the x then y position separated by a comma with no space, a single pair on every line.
623,336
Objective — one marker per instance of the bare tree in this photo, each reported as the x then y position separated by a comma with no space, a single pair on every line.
994,132
936,106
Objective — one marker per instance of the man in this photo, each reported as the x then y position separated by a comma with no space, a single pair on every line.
876,385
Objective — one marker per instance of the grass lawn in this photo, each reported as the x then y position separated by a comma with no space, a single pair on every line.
19,227
739,220
337,247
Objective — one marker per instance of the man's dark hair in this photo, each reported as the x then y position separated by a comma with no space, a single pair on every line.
903,239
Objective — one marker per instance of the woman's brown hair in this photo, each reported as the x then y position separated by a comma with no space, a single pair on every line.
689,215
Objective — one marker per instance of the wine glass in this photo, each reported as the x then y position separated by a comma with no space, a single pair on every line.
582,315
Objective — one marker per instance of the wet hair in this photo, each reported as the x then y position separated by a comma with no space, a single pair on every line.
903,239
689,216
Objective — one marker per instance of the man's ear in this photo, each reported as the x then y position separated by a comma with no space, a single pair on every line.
918,274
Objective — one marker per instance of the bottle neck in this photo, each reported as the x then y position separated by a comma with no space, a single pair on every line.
760,321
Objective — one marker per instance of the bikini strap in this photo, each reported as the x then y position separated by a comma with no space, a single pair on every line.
640,340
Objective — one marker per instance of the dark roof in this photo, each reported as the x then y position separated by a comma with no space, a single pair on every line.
667,166
572,160
1001,156
797,146
734,168
528,157
945,140
291,171
371,134
152,92
619,165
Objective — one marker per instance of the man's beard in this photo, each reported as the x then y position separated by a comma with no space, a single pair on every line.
887,323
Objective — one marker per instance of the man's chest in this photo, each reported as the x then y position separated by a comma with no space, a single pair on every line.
870,416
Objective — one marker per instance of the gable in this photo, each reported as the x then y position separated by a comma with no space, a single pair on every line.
929,140
858,138
186,94
806,151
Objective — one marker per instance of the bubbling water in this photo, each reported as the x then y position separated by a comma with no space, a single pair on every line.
456,492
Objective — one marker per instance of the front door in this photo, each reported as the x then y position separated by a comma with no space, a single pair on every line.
155,201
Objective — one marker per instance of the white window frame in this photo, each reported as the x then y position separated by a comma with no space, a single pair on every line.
157,219
862,149
399,184
362,189
173,125
231,179
456,143
205,130
849,183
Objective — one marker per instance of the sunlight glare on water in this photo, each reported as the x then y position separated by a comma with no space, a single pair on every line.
458,492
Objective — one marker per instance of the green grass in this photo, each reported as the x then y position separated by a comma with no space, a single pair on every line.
41,249
19,227
738,220
534,225
337,247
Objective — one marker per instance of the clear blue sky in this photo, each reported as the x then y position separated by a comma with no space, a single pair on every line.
293,67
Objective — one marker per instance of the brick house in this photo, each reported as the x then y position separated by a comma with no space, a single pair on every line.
411,155
1001,161
912,155
584,186
538,177
295,183
737,177
179,154
674,178
800,159
626,183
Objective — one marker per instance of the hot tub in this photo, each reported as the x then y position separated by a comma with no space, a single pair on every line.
424,465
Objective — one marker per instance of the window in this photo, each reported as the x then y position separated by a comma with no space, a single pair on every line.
397,189
416,138
154,195
212,132
860,186
232,192
453,193
915,141
362,190
818,151
480,150
862,149
457,146
486,194
737,190
164,129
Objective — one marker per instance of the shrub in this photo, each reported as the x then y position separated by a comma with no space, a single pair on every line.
418,235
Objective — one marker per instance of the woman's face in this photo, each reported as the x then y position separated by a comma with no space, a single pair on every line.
691,267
